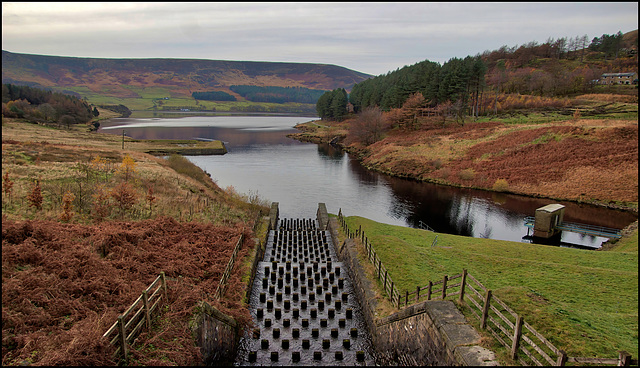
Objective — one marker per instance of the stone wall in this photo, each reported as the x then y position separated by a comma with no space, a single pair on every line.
216,334
433,332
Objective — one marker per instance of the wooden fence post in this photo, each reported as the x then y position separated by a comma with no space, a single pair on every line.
562,358
145,301
485,310
384,284
406,298
398,300
379,268
429,290
417,293
444,287
164,286
517,333
122,334
462,284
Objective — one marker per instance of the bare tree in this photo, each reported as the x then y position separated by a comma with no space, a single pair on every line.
584,43
368,126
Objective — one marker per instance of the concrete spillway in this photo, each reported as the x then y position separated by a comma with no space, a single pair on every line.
303,305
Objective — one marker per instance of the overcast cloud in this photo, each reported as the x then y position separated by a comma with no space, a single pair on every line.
373,38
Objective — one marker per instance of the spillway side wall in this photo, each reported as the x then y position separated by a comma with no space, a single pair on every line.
216,334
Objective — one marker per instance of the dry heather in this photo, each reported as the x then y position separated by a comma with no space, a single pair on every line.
63,285
597,161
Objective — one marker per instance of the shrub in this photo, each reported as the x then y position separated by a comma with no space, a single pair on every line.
150,199
67,207
7,185
577,114
501,185
437,163
445,172
125,196
101,205
35,197
128,167
467,174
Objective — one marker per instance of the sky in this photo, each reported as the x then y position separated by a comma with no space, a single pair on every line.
372,38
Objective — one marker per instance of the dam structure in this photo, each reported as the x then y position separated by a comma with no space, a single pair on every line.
302,302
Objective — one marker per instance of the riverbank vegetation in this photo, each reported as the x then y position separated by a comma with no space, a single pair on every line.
532,120
585,302
86,226
590,159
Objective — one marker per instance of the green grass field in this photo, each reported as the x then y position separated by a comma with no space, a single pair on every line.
585,302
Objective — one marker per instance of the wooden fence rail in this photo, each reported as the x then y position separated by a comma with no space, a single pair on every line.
125,329
526,345
225,275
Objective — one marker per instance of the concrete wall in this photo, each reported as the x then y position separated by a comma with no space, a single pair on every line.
273,215
322,216
429,333
432,332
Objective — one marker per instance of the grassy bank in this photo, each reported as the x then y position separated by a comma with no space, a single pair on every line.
585,302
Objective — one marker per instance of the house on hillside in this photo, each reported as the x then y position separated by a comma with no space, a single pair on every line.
618,78
350,107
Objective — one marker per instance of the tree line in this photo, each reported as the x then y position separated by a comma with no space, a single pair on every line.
278,94
43,106
458,81
333,105
555,68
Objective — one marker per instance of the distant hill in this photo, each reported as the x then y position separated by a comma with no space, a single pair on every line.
125,78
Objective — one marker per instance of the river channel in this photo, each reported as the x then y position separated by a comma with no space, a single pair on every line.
262,160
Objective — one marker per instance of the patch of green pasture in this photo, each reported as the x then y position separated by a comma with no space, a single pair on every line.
584,301
531,118
149,92
627,245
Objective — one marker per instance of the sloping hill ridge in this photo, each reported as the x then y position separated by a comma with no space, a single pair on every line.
180,76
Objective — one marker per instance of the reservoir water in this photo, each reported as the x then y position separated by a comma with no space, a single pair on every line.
262,160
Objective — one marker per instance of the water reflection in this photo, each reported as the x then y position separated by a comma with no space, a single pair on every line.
298,175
